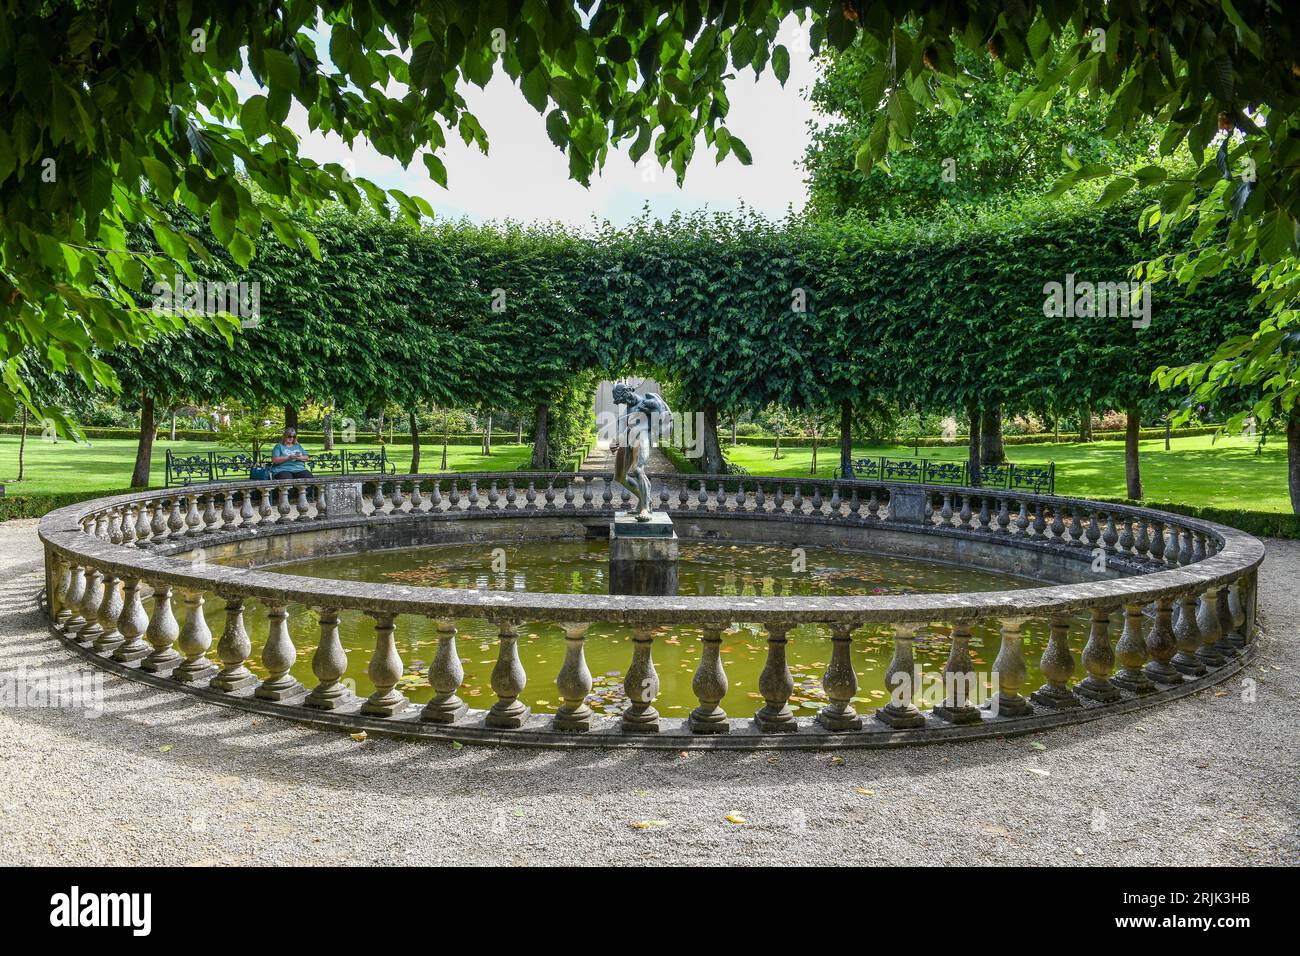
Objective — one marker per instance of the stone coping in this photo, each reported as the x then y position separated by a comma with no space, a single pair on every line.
1237,554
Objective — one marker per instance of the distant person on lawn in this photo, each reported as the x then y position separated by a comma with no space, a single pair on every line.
288,458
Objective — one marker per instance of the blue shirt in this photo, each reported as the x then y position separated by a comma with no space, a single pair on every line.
281,450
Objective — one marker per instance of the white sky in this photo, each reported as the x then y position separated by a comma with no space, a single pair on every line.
524,177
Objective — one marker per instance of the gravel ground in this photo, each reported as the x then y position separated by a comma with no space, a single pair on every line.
160,778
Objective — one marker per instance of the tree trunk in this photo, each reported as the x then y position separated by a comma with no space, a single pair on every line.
991,451
973,445
446,439
813,469
735,424
1132,464
144,450
487,436
415,443
519,439
291,417
1056,429
1085,423
1293,457
541,437
776,453
846,438
328,425
379,428
713,463
22,446
173,434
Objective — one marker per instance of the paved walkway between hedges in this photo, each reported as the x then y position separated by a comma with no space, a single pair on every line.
601,460
162,778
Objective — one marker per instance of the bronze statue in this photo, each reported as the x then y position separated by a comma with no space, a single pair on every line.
646,416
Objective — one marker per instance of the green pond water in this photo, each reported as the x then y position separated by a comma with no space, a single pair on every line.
575,567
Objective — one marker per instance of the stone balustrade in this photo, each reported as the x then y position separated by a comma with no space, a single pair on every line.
1171,601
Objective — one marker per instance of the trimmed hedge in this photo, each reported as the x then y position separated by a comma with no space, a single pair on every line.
1262,524
36,506
1042,438
427,439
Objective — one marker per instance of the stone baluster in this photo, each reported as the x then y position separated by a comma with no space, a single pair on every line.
1207,622
778,500
531,497
445,677
162,633
1093,533
322,501
573,682
417,495
114,526
158,520
569,494
960,680
110,608
396,498
900,681
641,685
1185,553
1004,517
228,511
1057,667
1238,601
1022,519
435,498
1198,547
61,575
142,526
233,649
1187,636
710,686
282,502
278,657
1158,541
1040,520
1010,670
1131,653
985,516
132,622
1098,661
776,684
840,683
193,520
75,598
1076,526
385,670
1162,644
329,663
210,516
92,597
302,490
377,500
964,516
508,681
246,515
1126,538
1142,544
193,643
266,507
1230,643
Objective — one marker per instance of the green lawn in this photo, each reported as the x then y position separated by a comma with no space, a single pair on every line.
105,464
1229,473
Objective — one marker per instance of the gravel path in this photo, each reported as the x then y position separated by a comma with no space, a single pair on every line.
160,778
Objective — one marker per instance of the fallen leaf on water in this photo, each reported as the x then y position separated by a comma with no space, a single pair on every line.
1037,746
647,824
359,735
734,816
995,829
837,761
456,745
864,791
164,748
1038,770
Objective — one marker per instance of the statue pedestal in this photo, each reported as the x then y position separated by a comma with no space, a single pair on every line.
642,555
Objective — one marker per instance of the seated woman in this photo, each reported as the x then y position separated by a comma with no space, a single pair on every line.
288,458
